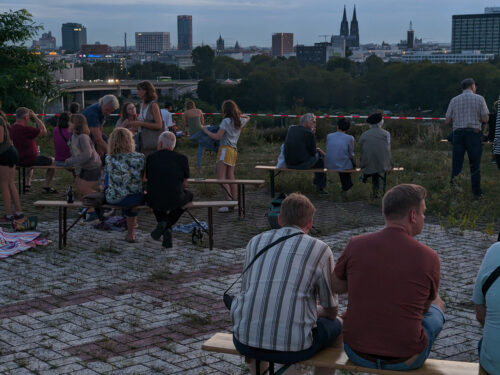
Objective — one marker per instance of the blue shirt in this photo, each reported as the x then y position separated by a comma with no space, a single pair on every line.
94,116
339,151
490,349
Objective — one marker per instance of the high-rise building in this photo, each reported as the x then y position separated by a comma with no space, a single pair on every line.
479,32
282,44
46,43
410,37
152,41
220,45
185,32
354,32
73,36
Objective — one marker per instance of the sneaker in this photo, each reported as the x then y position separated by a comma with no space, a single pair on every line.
167,239
90,217
321,191
6,219
223,210
19,216
82,210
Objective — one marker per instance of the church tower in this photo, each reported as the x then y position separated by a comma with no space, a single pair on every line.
354,33
344,27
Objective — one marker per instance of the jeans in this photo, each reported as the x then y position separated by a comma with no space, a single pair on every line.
204,141
129,202
326,331
470,141
345,181
432,323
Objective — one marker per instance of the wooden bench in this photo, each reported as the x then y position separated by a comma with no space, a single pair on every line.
273,172
336,358
241,188
21,174
63,215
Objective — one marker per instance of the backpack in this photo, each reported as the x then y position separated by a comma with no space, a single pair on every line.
274,211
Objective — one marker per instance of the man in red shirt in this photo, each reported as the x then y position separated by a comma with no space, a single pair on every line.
23,136
394,312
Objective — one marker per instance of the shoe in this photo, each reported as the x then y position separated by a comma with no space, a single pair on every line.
223,210
158,231
6,219
18,217
130,240
108,212
49,190
82,210
321,191
478,196
27,188
90,217
167,239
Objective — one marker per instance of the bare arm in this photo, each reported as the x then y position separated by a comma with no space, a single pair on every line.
215,136
202,119
102,147
330,312
39,123
2,134
485,118
448,121
481,314
158,122
185,184
338,286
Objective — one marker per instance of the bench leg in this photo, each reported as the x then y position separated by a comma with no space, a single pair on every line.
60,232
65,224
271,182
19,184
241,200
24,180
210,228
385,181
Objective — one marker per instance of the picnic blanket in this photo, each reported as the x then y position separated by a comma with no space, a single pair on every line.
118,223
13,243
188,228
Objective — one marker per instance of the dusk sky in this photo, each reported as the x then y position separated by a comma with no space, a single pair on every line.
250,22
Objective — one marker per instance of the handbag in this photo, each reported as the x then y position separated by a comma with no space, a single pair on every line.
148,137
94,199
227,298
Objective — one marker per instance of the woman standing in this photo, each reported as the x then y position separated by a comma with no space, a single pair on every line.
228,134
85,159
8,160
124,170
61,139
340,152
149,123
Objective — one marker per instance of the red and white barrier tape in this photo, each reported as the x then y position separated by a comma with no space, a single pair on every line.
418,118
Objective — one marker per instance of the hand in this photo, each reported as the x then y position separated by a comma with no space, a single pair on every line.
31,114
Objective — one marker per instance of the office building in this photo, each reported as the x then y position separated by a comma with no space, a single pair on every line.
476,32
73,36
152,41
468,57
282,44
184,32
410,37
319,54
46,43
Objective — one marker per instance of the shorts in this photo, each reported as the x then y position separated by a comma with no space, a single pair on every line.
90,175
43,161
227,155
10,157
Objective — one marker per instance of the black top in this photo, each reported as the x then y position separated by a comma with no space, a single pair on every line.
165,172
300,147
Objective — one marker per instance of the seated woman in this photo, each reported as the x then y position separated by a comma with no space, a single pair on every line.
127,114
61,138
124,169
85,159
340,152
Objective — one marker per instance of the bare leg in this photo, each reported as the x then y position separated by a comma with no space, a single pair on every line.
230,176
29,176
14,194
222,175
85,187
131,222
4,185
49,175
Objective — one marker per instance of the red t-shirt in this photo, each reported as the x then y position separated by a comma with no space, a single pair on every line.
390,276
23,138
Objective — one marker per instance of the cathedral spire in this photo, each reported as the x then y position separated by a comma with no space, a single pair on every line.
344,26
354,32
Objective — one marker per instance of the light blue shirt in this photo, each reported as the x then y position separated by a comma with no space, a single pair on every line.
490,349
339,151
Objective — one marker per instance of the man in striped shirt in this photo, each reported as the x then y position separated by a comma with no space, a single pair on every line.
467,112
275,317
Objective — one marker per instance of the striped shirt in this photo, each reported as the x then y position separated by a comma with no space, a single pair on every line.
276,309
466,110
496,141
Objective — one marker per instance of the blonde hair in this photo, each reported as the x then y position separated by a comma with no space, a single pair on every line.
121,141
80,124
297,210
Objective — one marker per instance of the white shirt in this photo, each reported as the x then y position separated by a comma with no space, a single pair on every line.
167,118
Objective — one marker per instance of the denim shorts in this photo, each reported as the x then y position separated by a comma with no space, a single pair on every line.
432,323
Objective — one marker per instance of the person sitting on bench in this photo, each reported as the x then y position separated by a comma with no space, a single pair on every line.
167,172
275,316
394,313
375,151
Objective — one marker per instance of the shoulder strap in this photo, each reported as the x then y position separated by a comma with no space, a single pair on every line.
262,251
490,280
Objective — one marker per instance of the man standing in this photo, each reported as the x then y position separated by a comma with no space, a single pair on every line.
166,115
394,313
23,137
301,152
167,172
275,316
96,114
467,112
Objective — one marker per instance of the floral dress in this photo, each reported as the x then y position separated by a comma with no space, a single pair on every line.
124,175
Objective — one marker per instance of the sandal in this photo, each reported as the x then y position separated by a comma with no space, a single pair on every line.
130,240
49,190
27,188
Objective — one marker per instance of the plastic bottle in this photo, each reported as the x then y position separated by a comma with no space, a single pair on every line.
69,195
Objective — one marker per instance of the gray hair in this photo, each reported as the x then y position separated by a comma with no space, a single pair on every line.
166,140
304,119
109,99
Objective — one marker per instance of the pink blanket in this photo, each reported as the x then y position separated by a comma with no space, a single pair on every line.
13,243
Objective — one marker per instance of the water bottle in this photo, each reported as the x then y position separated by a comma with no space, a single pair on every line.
38,150
69,195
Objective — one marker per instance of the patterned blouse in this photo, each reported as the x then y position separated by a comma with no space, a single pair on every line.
124,174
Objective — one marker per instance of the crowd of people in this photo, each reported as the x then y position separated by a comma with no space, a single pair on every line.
287,309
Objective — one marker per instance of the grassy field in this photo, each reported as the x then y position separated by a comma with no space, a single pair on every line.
415,146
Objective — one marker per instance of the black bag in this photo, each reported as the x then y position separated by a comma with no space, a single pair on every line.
227,298
95,199
274,211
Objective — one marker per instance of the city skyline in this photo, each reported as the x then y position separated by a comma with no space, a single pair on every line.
386,20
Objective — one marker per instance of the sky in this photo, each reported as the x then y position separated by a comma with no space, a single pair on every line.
250,22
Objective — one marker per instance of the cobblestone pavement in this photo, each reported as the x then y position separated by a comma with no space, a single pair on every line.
104,306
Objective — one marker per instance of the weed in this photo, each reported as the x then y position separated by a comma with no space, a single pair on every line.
110,249
161,274
197,319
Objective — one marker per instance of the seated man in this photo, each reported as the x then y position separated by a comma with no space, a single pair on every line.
488,310
167,172
340,152
275,317
23,136
394,312
301,152
375,151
